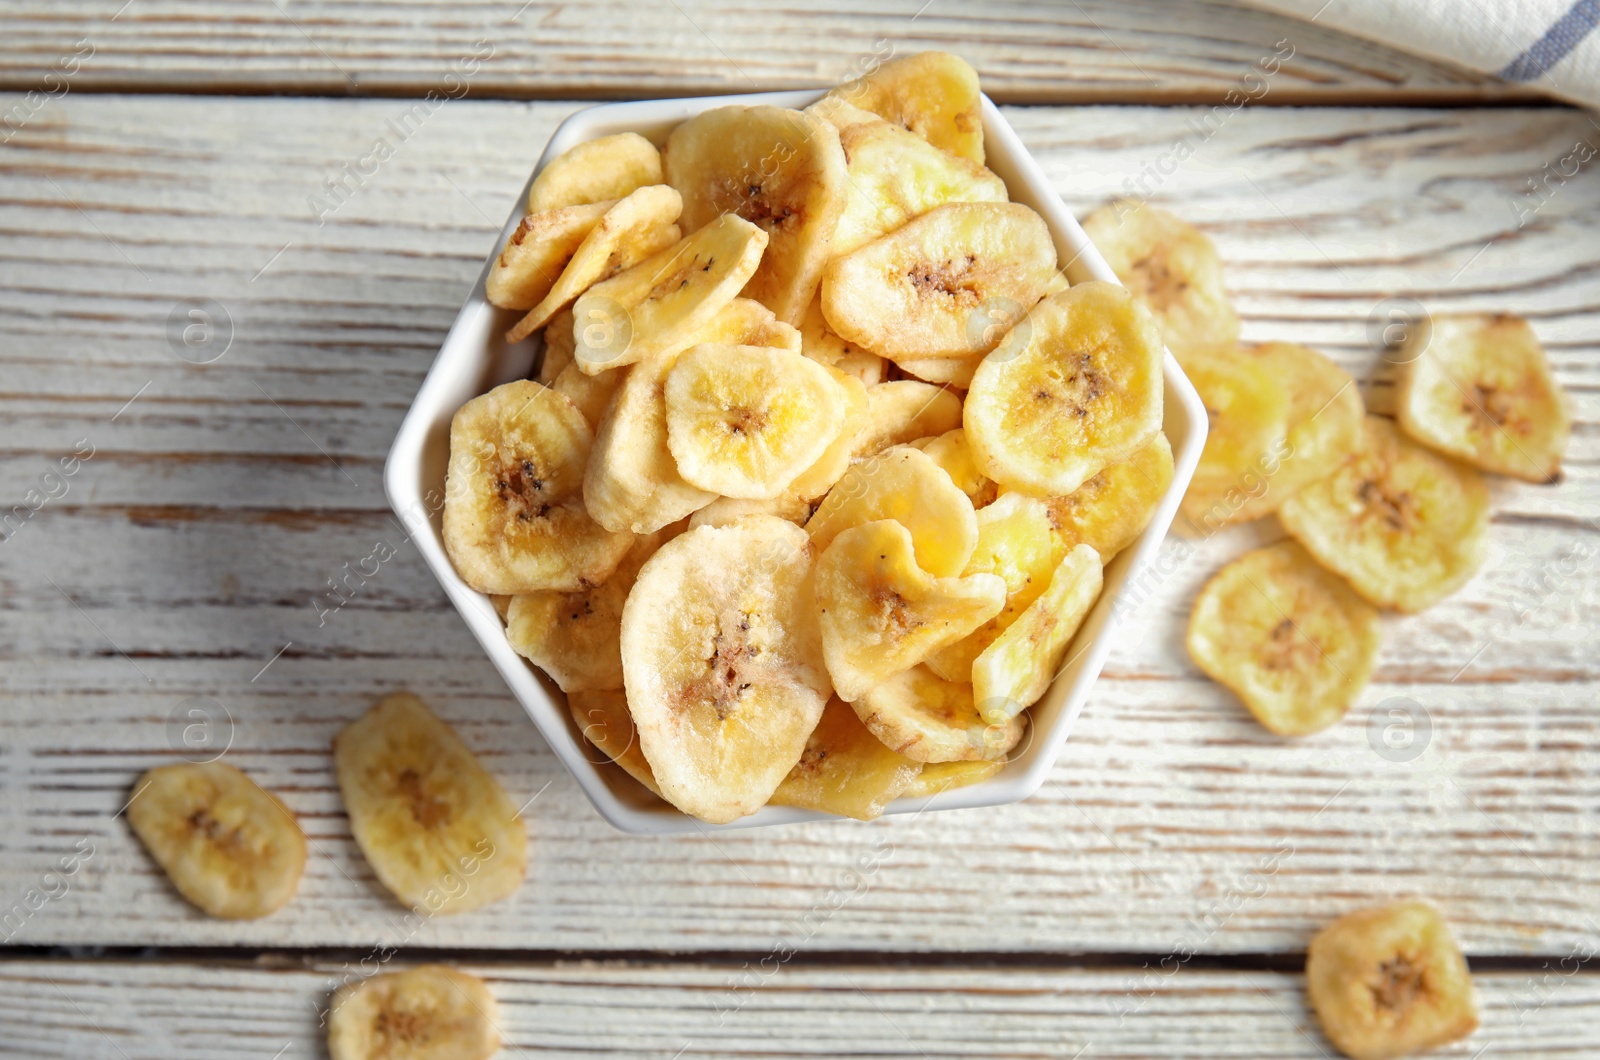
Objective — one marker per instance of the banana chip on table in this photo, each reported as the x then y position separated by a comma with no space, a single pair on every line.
1012,673
1076,388
1110,510
939,777
845,770
920,715
536,253
1389,982
227,845
902,411
934,94
1403,526
780,169
905,485
949,284
425,1013
1291,640
722,662
1477,387
632,230
951,452
514,516
611,167
603,719
436,827
1171,267
881,613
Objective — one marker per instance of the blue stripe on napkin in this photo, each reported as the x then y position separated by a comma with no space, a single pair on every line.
1564,34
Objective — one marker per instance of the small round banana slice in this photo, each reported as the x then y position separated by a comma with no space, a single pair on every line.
436,827
722,661
1477,387
939,777
603,718
558,344
1109,511
425,1013
1247,407
1076,388
1390,981
951,452
514,517
1171,267
780,169
1016,543
920,715
745,421
1291,640
608,168
535,254
896,175
659,305
905,485
630,231
949,284
881,613
228,846
818,342
845,770
591,393
835,460
904,410
1011,674
1404,527
724,510
934,94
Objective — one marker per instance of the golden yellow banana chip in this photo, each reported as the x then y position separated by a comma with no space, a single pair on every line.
608,168
951,452
934,94
536,253
1405,528
558,344
1390,982
835,460
1013,672
436,827
725,510
845,770
1291,640
227,845
920,715
1110,510
602,717
425,1013
1477,387
939,777
881,613
818,342
902,411
951,371
905,485
591,393
1074,388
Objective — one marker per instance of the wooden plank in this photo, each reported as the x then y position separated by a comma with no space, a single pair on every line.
171,1011
217,506
1026,50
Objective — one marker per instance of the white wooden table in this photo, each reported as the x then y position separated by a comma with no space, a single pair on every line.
184,559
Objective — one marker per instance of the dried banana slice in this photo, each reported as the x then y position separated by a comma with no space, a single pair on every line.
558,343
845,770
905,485
660,304
949,284
746,322
902,411
514,518
1012,673
939,777
926,718
436,827
818,342
1171,267
1079,388
603,718
934,94
608,168
744,421
1390,981
1477,387
631,231
591,393
951,452
840,114
1109,511
534,255
1291,640
1405,528
835,460
780,169
228,846
501,605
725,510
881,613
954,371
722,661
425,1013
1016,544
895,175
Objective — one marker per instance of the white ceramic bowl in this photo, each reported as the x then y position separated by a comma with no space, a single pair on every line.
475,358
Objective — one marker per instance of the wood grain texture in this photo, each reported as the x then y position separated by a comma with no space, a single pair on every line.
1027,50
190,548
220,1011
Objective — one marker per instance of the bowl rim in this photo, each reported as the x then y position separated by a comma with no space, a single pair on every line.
473,350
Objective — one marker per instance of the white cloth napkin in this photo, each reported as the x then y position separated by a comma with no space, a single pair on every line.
1553,44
